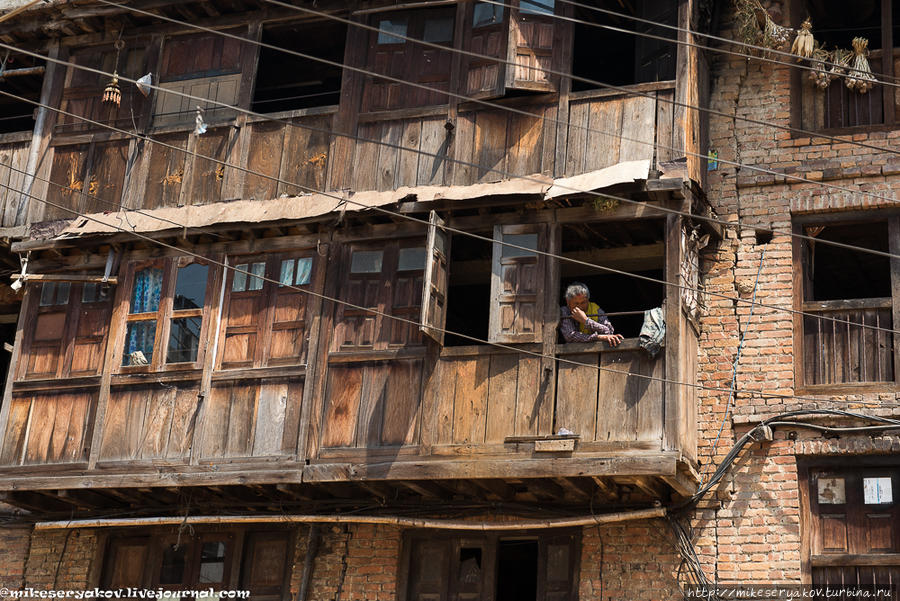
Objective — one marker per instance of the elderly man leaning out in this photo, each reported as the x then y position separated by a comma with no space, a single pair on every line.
584,321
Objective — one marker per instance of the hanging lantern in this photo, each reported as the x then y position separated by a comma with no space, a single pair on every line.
113,93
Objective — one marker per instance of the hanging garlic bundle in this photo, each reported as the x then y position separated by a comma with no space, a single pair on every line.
841,59
774,36
819,74
804,45
756,28
860,77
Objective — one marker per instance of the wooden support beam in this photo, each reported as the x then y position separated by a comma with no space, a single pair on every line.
426,489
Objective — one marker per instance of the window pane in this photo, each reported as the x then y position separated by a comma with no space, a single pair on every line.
295,277
536,7
304,270
389,26
239,283
486,14
184,340
411,259
877,491
526,240
366,261
54,293
173,564
256,280
287,273
190,287
139,343
212,562
438,30
146,291
831,491
94,293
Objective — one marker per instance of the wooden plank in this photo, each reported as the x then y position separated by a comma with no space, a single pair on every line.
166,171
894,246
638,128
525,138
371,406
342,400
154,431
208,174
462,172
270,419
182,428
14,436
365,164
293,415
104,188
434,145
408,167
389,155
603,145
241,420
489,148
402,402
38,438
576,140
576,396
470,401
534,412
665,124
305,160
215,421
265,155
630,408
502,392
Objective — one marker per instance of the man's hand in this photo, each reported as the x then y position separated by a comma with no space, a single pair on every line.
579,315
612,339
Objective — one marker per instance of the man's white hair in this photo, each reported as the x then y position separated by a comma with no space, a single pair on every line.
577,289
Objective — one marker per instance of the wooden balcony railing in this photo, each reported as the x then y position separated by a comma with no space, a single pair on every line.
853,344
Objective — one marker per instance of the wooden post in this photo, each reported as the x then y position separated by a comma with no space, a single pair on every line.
31,297
674,393
894,249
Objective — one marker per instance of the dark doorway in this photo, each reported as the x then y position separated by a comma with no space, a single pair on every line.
517,570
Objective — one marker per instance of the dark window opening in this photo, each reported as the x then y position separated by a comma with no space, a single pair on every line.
835,25
469,289
598,52
637,248
763,236
841,273
517,570
287,82
22,76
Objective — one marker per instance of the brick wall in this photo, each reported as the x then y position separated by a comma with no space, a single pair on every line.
749,530
60,559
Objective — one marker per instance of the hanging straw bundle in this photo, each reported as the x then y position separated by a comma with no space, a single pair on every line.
804,44
820,75
756,28
860,77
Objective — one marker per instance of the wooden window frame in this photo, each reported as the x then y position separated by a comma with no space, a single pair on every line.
387,280
815,560
266,308
239,555
489,543
73,311
500,296
165,314
801,281
799,79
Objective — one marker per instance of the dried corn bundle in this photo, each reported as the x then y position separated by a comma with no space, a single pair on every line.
860,76
804,44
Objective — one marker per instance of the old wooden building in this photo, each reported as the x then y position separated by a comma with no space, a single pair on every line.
313,271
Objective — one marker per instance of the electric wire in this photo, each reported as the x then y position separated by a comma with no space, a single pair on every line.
376,312
379,142
343,199
503,61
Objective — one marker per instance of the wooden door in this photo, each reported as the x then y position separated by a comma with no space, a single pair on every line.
434,292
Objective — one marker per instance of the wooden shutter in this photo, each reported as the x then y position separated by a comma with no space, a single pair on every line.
485,77
89,344
517,283
434,289
126,562
47,329
243,314
265,562
556,564
530,54
366,278
428,569
472,569
288,335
